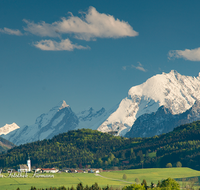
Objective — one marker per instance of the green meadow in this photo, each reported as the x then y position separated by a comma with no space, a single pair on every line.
113,178
152,174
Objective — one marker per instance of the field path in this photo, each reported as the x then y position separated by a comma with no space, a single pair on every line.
112,178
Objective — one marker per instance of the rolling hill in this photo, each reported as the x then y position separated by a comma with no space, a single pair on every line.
91,148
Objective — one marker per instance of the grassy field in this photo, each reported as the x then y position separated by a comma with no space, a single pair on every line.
152,174
109,178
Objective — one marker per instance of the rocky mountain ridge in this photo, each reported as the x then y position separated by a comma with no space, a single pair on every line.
8,128
148,110
162,121
171,90
58,120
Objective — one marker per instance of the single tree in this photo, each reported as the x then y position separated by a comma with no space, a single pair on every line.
178,164
124,176
169,165
144,183
158,185
79,186
152,185
137,180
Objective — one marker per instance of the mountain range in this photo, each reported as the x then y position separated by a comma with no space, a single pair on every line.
158,105
91,148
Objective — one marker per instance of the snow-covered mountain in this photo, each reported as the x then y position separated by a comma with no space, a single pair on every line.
171,90
91,119
58,120
165,95
8,128
162,121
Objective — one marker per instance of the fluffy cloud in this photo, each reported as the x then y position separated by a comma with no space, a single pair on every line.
11,32
89,26
57,46
93,25
192,55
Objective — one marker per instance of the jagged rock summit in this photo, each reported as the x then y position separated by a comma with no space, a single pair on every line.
59,119
171,90
8,128
163,97
162,121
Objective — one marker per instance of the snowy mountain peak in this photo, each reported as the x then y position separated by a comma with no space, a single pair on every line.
198,76
64,105
168,89
59,119
8,128
172,90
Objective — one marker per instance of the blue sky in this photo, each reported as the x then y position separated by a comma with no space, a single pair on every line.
89,53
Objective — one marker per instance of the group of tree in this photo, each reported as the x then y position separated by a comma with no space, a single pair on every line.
80,186
169,183
86,148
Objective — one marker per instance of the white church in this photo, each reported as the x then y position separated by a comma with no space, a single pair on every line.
24,167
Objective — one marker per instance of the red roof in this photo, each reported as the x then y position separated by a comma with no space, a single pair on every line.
48,169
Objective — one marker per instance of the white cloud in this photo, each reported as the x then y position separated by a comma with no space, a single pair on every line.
139,67
89,26
93,25
124,67
192,55
11,31
51,45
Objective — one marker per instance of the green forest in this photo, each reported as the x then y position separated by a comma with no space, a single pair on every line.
85,148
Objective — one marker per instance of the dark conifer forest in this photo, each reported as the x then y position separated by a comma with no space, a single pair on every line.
87,148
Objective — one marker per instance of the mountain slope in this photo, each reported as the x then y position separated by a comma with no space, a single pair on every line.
5,145
171,90
162,121
58,120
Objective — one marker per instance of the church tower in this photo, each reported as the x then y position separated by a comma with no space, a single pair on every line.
29,164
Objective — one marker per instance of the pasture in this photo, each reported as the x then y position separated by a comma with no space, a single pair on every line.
113,178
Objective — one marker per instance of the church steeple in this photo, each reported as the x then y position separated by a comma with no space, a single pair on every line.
29,163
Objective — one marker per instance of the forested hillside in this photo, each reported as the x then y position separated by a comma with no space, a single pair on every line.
90,148
5,145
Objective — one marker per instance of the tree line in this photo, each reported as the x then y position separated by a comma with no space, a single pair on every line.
86,148
165,184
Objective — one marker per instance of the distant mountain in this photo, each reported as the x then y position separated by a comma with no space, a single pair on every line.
59,119
171,90
162,121
5,145
91,119
8,128
163,96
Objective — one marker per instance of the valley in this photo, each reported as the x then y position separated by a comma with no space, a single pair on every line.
111,178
